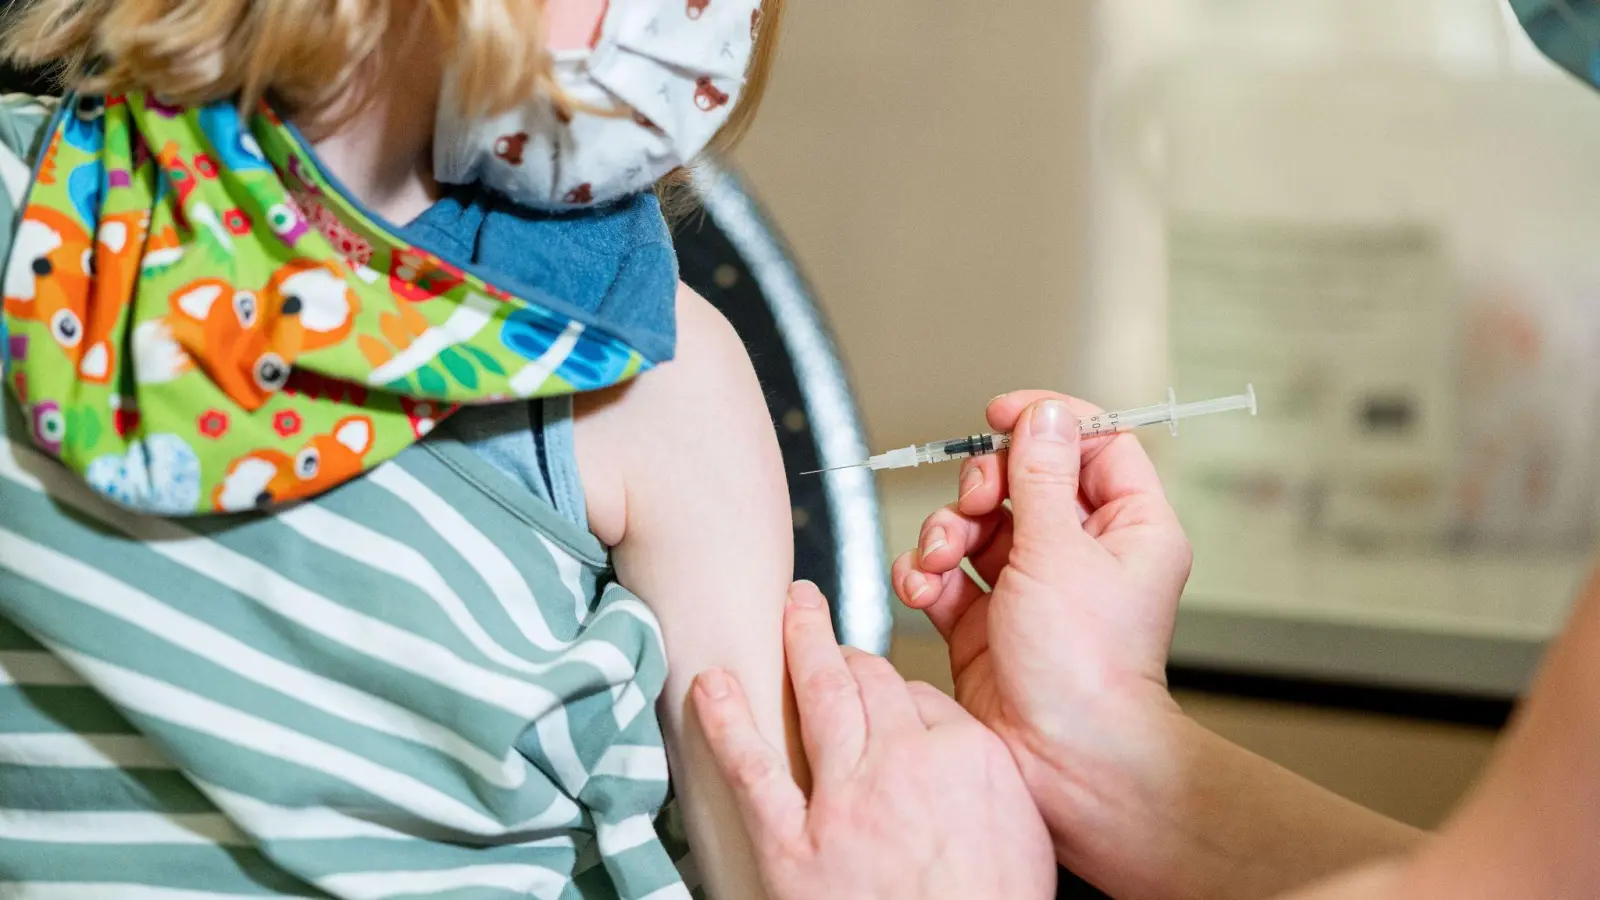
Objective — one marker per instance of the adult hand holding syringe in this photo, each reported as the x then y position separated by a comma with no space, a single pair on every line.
1089,427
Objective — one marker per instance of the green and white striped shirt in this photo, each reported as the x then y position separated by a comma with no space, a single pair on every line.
423,683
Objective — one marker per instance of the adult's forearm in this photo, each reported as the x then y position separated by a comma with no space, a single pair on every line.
1191,816
1528,829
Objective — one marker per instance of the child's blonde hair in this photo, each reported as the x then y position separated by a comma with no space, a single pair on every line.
309,55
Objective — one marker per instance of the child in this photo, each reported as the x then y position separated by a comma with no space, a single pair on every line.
301,591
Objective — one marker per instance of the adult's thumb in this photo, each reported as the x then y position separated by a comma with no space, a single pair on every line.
1043,475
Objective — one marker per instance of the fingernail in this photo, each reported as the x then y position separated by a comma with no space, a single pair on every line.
971,481
805,594
934,542
915,586
1052,421
992,400
714,682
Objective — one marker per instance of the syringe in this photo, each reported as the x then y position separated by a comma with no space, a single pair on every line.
1089,427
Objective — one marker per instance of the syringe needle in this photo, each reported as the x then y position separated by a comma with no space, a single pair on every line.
835,469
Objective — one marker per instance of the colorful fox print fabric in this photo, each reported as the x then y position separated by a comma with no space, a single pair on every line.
199,320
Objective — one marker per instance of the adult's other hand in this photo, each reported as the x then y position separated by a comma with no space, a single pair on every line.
911,797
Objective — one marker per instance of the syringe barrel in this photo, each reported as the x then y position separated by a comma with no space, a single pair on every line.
962,447
1109,423
1101,424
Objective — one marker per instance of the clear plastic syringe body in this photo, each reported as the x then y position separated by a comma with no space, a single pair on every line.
1089,427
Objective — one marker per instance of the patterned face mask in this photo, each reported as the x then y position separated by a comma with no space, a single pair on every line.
201,321
659,80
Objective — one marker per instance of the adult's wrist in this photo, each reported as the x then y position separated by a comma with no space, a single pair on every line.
1106,779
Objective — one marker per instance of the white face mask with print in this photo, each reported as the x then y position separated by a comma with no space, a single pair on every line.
672,69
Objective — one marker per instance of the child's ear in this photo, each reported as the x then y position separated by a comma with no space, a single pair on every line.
355,433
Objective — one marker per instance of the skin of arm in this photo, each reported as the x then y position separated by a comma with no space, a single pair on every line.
685,481
1528,829
1209,819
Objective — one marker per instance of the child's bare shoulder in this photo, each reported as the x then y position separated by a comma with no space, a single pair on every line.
698,420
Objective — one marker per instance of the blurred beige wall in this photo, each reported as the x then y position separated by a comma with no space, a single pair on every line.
927,162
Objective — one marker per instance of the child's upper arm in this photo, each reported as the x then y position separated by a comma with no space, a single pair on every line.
685,478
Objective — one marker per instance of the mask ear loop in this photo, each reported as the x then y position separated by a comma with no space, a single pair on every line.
565,106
